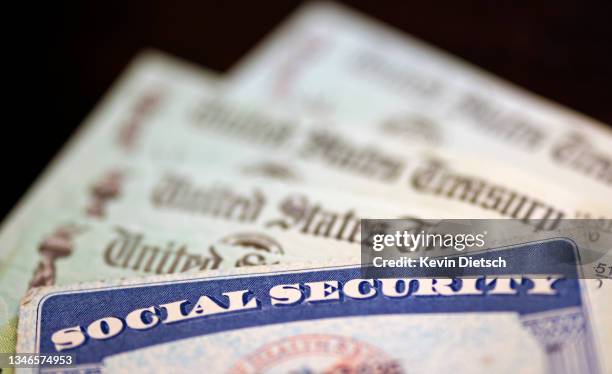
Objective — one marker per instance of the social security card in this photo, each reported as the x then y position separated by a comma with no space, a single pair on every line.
319,319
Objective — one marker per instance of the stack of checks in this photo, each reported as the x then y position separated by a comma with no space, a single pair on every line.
200,223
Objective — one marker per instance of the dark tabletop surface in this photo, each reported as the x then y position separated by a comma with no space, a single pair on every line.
560,50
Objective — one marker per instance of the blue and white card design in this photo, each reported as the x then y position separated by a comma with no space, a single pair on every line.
324,318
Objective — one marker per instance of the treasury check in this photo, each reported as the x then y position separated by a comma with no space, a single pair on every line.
185,199
343,68
193,126
196,127
272,317
119,221
212,131
182,127
273,217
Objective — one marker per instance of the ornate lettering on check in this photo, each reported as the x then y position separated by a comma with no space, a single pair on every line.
317,353
218,117
577,153
130,250
106,189
143,107
413,127
398,77
57,245
311,218
503,123
436,178
179,193
365,160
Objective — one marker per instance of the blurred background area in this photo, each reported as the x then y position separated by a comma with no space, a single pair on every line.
70,53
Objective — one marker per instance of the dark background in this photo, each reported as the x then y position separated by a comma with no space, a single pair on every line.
68,54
